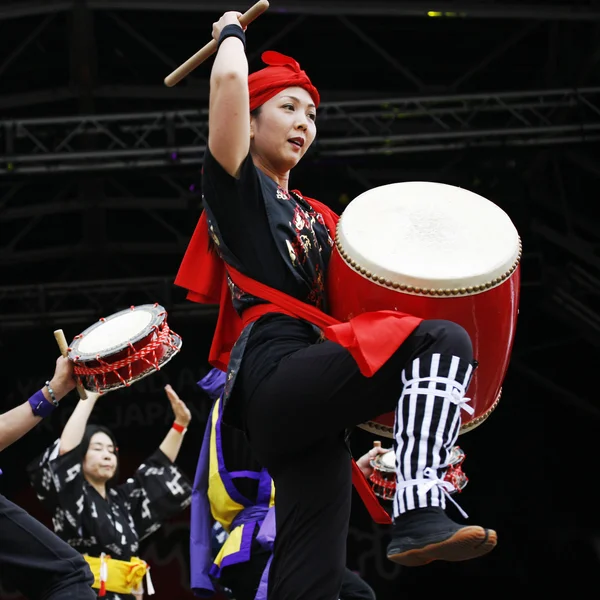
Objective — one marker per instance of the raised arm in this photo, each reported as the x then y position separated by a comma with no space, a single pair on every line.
229,107
73,431
17,422
172,443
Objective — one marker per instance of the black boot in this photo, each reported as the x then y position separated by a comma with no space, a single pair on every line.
423,535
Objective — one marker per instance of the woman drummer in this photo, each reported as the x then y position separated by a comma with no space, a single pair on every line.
291,392
77,481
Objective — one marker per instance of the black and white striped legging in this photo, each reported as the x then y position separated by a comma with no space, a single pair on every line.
426,428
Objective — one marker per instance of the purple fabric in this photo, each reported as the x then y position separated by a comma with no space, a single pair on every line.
203,570
242,555
249,515
213,383
245,474
201,523
265,485
261,592
266,533
265,537
40,406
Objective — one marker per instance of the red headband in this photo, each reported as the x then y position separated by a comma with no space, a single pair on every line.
283,72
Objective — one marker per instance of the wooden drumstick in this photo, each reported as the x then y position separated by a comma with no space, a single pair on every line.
59,336
376,444
209,49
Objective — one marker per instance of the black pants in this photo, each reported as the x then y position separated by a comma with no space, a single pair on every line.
295,421
243,579
38,563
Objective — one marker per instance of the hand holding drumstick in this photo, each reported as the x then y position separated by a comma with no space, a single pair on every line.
364,462
64,348
209,49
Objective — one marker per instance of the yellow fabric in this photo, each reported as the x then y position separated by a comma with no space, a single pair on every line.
223,508
231,546
123,577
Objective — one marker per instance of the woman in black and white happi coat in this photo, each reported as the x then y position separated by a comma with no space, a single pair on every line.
76,479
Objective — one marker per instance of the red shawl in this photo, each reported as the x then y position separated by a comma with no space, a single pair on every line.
371,338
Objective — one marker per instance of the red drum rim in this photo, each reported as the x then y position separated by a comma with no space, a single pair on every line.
385,431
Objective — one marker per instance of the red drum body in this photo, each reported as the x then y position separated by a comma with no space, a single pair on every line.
121,349
437,252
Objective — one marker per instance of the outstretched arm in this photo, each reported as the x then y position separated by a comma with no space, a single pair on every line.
172,443
73,431
15,423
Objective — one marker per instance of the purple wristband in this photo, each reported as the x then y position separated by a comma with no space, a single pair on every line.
40,406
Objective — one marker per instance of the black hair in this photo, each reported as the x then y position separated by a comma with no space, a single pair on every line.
90,431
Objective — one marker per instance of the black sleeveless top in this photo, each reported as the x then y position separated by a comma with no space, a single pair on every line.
275,237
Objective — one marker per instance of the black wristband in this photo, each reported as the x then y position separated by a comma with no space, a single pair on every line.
232,31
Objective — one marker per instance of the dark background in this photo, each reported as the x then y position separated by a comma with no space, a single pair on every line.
99,193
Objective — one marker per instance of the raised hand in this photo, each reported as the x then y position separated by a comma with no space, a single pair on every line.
182,413
62,381
229,18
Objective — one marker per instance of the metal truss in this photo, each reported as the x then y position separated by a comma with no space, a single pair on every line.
503,9
575,295
82,303
98,85
362,136
346,129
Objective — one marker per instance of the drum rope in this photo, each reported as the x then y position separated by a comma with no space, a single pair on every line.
162,339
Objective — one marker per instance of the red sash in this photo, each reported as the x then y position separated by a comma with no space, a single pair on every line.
371,338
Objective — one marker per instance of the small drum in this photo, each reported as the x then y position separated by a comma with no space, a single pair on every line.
437,252
383,477
121,349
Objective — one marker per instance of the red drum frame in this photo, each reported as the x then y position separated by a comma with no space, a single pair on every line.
102,364
485,303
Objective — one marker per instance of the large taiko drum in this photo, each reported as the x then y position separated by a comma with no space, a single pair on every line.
435,251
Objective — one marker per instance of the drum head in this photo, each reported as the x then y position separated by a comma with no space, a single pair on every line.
114,333
428,235
385,462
